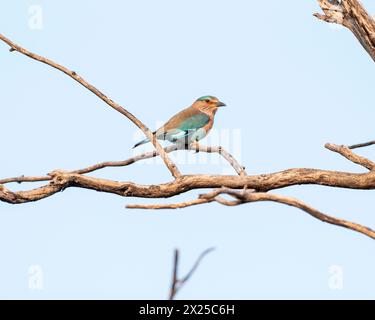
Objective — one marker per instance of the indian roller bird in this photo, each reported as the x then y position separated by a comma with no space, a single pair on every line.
189,125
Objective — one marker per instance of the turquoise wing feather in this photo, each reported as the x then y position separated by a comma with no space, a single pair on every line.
187,127
194,122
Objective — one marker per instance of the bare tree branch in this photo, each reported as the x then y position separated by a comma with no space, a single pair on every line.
173,290
351,156
362,145
25,179
352,15
177,283
246,196
60,180
169,205
146,155
170,165
225,154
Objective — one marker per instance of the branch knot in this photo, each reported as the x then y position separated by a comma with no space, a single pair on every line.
60,177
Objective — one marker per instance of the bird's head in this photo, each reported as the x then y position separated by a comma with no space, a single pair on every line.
208,104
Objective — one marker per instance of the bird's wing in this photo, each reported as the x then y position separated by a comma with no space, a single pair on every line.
195,122
183,124
189,119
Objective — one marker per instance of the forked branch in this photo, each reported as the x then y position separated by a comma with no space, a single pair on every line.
177,282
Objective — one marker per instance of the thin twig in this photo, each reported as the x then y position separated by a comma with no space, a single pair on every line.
362,145
225,154
25,179
169,206
195,266
174,288
177,283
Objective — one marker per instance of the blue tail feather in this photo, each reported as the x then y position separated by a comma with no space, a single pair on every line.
141,142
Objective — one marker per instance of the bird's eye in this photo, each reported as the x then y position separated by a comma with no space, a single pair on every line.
207,100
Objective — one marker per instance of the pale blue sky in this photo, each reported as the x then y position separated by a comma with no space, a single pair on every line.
291,84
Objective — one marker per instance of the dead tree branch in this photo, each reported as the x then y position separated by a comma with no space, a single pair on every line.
351,156
352,15
362,145
143,156
247,196
178,283
61,180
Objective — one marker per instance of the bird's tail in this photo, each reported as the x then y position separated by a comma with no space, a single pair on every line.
141,142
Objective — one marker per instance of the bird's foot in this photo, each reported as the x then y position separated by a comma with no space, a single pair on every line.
195,146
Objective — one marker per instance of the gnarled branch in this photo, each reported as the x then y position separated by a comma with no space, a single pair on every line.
352,15
60,180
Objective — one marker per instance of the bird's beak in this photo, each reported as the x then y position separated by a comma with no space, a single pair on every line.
220,104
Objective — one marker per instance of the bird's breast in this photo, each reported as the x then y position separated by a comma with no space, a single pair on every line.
209,125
